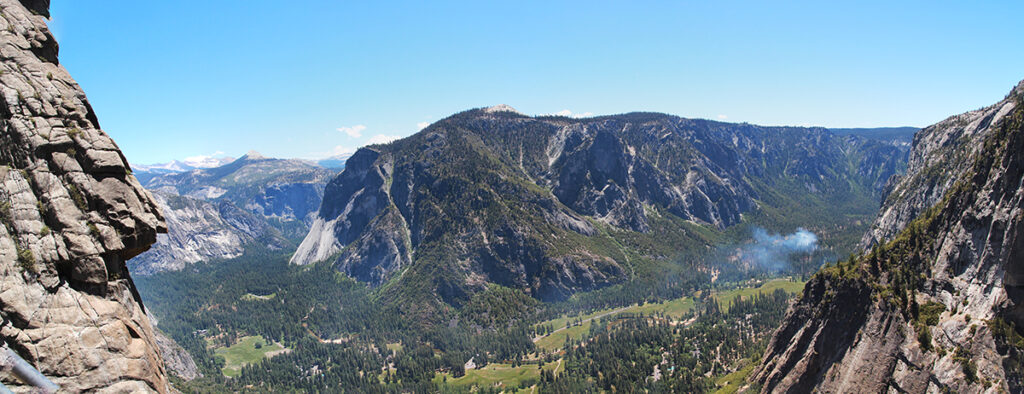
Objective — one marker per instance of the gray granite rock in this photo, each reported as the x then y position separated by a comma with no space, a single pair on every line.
846,334
72,215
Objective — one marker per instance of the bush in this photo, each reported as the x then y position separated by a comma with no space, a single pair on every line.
26,260
929,313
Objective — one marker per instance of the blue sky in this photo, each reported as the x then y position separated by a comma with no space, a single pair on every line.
174,79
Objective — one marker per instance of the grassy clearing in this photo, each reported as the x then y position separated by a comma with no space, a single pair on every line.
676,309
555,340
243,353
498,375
726,297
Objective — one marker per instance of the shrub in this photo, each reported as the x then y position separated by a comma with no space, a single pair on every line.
26,260
5,213
929,313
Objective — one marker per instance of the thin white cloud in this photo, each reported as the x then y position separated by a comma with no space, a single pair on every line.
422,125
570,114
722,117
339,150
353,131
382,139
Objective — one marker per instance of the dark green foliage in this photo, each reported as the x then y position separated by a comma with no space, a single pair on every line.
929,313
26,260
623,352
968,365
498,306
208,301
924,337
6,218
317,303
1010,343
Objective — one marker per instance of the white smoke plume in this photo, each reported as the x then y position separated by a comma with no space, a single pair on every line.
773,251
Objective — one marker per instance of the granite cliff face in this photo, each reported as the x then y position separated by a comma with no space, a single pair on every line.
201,230
935,305
216,213
491,195
939,159
72,215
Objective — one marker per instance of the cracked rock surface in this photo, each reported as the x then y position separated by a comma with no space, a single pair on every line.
72,215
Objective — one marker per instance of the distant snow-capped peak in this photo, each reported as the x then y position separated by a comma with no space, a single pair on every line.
187,164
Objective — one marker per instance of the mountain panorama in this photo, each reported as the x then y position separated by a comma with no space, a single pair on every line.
494,251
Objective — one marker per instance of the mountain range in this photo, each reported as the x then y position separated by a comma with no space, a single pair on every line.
572,254
215,213
556,205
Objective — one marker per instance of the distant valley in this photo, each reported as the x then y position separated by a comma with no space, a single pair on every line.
493,251
491,208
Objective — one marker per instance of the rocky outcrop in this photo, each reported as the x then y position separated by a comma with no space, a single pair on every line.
494,196
934,305
72,215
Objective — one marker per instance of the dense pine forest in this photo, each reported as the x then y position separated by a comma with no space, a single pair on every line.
341,334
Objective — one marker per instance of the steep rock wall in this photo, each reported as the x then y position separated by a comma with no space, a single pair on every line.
931,308
72,215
